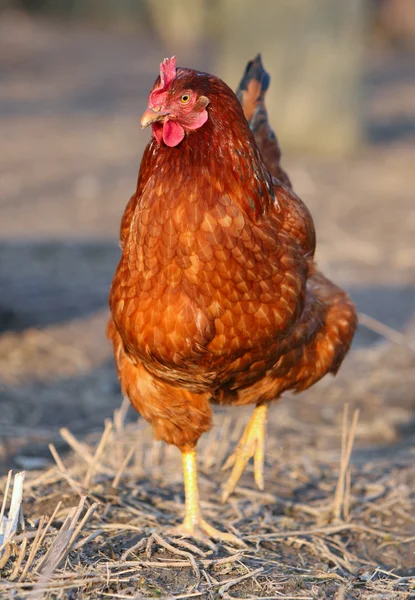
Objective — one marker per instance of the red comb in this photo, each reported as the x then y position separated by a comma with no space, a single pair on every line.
167,72
167,75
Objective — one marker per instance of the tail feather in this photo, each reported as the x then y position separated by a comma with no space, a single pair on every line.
253,85
251,93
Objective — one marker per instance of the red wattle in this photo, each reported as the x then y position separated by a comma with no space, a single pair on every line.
173,133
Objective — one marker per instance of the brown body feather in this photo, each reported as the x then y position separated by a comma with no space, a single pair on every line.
216,297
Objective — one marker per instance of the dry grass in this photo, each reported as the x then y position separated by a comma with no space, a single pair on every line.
94,526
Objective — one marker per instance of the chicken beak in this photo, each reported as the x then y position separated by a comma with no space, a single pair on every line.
151,116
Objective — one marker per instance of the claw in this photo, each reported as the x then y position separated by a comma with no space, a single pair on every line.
194,525
252,444
203,531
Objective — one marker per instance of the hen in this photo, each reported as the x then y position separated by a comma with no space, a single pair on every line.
216,298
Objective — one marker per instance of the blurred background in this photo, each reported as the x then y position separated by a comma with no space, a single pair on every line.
75,75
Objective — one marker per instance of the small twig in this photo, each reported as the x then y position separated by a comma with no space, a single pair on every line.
398,541
10,525
264,497
174,550
98,453
319,531
227,586
49,476
387,332
65,527
179,597
88,539
279,597
7,541
84,521
190,595
347,488
325,551
6,493
222,561
410,578
62,544
22,554
63,532
48,524
42,559
341,593
338,495
189,546
122,468
136,548
34,549
162,564
82,450
5,550
63,470
53,558
120,415
348,436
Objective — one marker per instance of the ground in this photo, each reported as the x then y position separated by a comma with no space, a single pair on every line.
70,103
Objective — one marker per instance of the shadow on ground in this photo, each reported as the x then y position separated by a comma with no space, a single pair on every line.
46,283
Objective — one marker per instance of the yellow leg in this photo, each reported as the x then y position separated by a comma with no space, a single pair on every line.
191,490
193,524
252,443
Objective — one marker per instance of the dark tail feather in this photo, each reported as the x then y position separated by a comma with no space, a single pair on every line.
254,72
251,94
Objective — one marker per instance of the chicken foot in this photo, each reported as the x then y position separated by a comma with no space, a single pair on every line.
194,525
252,443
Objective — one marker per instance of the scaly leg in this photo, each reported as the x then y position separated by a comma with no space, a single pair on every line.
193,524
252,443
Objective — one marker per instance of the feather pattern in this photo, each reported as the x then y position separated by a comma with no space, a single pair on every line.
216,297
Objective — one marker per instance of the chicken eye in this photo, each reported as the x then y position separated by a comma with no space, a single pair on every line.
185,98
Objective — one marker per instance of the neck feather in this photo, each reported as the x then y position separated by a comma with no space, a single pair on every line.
221,157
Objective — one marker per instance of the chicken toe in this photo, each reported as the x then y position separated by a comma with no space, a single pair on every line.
194,525
252,444
203,531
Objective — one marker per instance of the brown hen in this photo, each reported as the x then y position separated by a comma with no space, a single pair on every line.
216,298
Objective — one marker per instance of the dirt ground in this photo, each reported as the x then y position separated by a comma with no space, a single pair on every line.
70,101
